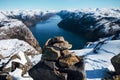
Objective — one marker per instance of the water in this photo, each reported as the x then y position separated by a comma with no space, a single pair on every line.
49,29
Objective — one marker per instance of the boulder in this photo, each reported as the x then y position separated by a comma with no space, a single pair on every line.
12,29
116,63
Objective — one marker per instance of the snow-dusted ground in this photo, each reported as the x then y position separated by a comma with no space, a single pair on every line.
97,64
11,47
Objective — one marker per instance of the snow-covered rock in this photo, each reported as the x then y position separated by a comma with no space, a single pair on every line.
13,28
20,52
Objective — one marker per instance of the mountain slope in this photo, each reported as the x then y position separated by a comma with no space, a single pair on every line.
91,23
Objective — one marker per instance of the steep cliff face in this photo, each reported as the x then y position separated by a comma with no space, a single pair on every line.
12,28
92,23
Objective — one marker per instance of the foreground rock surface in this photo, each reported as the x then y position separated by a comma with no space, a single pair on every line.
16,58
57,63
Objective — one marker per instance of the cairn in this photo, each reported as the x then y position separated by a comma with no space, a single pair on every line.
58,63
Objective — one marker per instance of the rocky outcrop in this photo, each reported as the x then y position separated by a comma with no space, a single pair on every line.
116,63
13,28
91,23
114,75
16,54
57,63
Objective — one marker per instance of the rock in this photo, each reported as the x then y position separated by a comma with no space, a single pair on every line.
116,63
66,52
58,63
63,45
75,72
18,55
49,53
68,61
54,40
16,29
58,42
5,76
42,71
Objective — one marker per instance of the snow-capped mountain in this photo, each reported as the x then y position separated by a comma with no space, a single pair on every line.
92,23
29,17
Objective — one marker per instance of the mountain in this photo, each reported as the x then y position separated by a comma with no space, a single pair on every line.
91,23
29,17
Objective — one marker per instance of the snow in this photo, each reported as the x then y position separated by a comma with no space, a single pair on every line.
16,47
103,12
96,64
27,14
17,75
10,23
2,16
11,47
22,59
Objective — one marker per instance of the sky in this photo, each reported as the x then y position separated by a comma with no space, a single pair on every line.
57,4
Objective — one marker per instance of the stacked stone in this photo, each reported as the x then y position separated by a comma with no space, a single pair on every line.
57,63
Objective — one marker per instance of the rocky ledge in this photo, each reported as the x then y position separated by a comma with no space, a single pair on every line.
57,63
12,28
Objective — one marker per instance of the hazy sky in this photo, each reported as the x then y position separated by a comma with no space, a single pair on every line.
57,4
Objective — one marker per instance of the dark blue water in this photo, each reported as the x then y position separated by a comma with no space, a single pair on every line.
48,29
